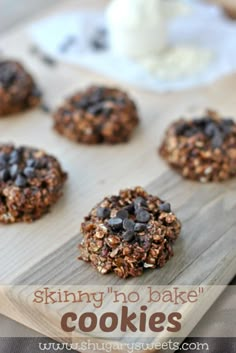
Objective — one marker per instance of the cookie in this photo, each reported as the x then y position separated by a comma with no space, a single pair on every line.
128,233
202,149
18,91
31,181
97,115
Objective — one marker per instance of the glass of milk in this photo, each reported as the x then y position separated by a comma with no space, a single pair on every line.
138,27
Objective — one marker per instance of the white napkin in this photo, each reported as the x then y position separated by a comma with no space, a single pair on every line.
67,37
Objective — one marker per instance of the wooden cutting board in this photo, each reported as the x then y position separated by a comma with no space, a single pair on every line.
45,252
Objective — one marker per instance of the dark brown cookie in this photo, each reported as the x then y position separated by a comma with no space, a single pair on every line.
97,115
202,149
31,181
130,232
18,91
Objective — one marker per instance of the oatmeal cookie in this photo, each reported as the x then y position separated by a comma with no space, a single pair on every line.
31,182
97,115
18,91
130,232
202,149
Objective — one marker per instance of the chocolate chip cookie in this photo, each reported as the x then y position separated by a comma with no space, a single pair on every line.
18,91
97,115
31,181
202,149
128,233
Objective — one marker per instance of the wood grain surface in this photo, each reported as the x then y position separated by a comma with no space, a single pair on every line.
46,251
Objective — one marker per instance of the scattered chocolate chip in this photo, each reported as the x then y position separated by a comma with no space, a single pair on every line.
4,175
140,227
99,40
143,216
128,235
128,224
103,212
123,214
115,223
14,169
20,181
29,172
45,108
48,60
68,43
165,207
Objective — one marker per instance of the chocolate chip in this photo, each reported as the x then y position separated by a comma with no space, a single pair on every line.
82,104
143,216
31,162
191,131
68,43
140,201
99,42
103,212
129,208
165,207
128,224
20,181
180,129
8,74
3,159
41,163
140,227
97,96
226,126
123,214
36,92
120,100
45,108
4,175
107,111
29,172
217,141
15,157
95,109
14,169
210,129
115,223
128,235
48,60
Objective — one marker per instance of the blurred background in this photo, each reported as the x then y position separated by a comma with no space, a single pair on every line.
13,12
